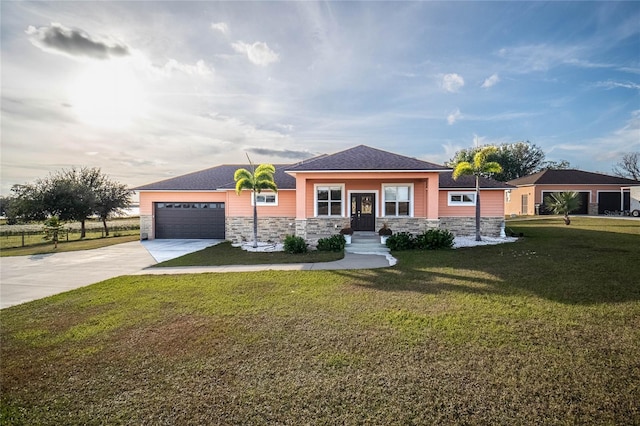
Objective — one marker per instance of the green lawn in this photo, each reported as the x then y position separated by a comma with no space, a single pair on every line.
542,331
225,254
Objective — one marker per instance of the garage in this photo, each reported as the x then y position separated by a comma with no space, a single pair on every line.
190,220
584,203
610,201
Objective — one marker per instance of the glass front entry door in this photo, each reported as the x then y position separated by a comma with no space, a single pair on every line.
363,212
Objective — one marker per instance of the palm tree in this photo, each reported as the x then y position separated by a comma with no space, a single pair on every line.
563,203
256,179
480,167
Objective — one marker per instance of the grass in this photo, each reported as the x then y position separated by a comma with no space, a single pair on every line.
542,331
225,254
88,244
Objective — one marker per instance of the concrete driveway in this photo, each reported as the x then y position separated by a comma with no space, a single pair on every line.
26,278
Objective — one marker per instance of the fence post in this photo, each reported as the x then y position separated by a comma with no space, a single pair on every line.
22,238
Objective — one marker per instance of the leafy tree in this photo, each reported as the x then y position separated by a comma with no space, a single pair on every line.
555,165
563,203
255,180
516,159
28,203
73,194
111,197
480,167
629,166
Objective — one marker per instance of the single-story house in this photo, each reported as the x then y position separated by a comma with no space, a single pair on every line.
361,187
598,192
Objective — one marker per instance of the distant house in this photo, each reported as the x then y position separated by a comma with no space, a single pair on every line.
361,187
598,192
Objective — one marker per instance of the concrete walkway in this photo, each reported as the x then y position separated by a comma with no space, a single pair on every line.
350,261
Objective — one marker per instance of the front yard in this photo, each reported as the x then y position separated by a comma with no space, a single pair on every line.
542,331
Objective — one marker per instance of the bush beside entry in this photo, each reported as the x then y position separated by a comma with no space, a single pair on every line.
333,243
433,239
294,245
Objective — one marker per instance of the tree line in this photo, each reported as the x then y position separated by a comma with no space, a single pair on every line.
524,158
70,195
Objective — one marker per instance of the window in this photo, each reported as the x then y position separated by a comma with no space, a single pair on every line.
462,199
329,200
266,199
397,200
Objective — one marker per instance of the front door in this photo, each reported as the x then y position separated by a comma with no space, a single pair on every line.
363,212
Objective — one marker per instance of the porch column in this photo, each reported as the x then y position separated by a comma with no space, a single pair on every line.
433,187
301,197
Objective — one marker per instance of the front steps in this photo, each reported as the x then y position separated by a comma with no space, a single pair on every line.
366,243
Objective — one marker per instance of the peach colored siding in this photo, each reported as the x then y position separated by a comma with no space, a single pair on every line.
491,205
235,205
148,198
240,205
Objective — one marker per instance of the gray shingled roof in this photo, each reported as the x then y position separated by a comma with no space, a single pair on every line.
571,177
364,158
215,178
469,182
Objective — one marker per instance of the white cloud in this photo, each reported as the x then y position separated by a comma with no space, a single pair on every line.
258,53
199,68
452,82
610,84
454,116
220,26
491,81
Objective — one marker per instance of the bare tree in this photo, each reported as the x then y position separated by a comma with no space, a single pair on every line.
629,166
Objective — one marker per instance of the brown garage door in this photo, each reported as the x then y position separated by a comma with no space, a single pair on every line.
189,220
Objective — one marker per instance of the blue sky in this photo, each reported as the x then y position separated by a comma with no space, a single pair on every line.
149,90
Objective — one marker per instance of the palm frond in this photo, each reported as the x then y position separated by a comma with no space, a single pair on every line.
461,169
243,183
242,174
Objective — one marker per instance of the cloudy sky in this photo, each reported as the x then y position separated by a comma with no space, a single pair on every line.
148,90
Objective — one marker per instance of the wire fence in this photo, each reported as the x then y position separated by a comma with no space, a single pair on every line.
29,235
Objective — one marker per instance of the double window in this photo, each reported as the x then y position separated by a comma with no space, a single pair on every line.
398,200
462,199
329,201
266,199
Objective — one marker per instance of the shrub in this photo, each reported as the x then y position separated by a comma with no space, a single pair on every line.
401,241
333,243
294,245
434,239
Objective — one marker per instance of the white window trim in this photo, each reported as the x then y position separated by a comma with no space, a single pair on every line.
383,209
329,185
461,203
263,204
